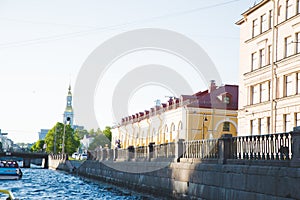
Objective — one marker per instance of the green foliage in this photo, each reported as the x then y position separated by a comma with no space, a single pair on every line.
107,132
80,133
54,139
38,146
99,140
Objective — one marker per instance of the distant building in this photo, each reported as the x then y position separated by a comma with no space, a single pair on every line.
269,85
68,114
206,114
43,133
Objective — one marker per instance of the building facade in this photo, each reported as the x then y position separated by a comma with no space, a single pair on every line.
269,85
207,114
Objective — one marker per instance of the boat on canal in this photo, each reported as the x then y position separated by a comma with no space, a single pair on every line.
10,170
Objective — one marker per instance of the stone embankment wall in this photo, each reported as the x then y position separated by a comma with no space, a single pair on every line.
199,180
61,162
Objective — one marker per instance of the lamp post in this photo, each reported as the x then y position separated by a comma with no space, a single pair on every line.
204,119
63,144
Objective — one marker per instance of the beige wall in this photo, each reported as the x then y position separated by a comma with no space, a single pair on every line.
253,115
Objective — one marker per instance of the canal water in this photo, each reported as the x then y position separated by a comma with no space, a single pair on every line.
49,184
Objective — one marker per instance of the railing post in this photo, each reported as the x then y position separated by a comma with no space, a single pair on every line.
115,154
104,154
150,151
296,147
224,148
178,150
110,154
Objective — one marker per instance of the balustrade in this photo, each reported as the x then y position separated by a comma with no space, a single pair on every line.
263,147
256,147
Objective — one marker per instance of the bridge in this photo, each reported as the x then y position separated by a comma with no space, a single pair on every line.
27,157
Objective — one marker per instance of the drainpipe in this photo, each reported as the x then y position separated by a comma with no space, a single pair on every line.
273,78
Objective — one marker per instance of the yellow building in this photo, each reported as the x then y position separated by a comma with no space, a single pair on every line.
207,114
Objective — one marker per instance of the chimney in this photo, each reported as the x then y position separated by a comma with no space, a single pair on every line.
212,86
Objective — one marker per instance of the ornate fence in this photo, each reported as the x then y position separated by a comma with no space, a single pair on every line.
263,147
283,147
201,149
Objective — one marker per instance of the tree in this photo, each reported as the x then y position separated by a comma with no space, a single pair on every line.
54,139
99,140
107,132
38,146
80,133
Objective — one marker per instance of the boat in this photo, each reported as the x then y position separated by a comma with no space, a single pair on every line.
10,170
9,193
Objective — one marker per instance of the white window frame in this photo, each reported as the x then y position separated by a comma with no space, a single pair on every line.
254,61
255,94
264,92
288,46
288,79
263,23
270,19
255,28
298,42
269,54
289,9
268,125
287,122
297,119
252,127
262,57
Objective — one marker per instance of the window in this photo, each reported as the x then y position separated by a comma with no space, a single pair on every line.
288,46
297,119
263,23
268,125
265,91
262,58
255,28
289,9
287,122
270,19
226,99
226,126
269,54
254,63
288,85
255,94
298,6
297,42
259,125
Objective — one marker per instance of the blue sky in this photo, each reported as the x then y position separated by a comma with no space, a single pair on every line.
43,45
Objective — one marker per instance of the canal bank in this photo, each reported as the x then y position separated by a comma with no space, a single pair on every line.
199,180
250,167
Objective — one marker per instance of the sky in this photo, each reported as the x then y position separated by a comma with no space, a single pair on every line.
44,44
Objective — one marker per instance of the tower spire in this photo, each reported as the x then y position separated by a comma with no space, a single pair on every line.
69,109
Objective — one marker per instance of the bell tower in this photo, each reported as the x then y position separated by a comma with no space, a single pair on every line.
68,114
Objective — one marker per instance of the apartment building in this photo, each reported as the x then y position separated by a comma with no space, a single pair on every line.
269,85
